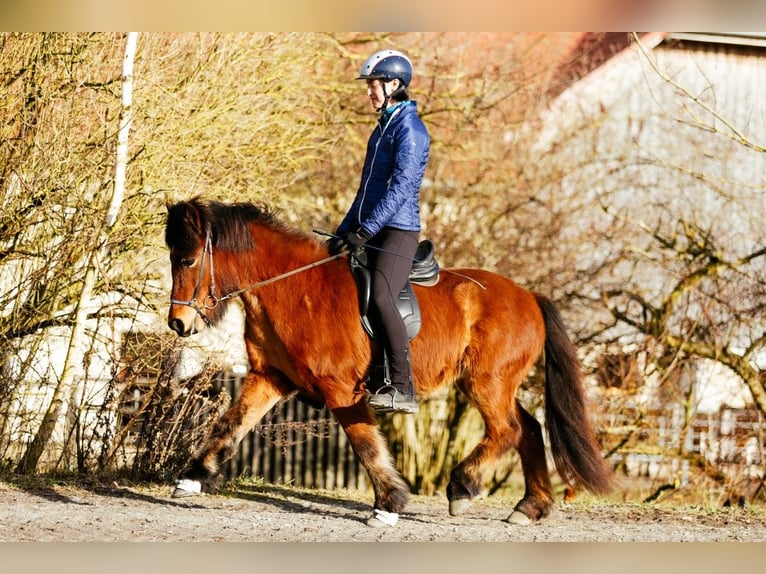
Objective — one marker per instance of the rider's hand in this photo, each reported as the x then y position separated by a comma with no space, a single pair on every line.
357,239
335,245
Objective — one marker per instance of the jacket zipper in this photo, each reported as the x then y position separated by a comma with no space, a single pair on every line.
372,162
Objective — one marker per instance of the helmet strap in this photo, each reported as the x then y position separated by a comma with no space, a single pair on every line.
387,96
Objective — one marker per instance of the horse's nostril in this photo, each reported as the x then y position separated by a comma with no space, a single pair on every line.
177,325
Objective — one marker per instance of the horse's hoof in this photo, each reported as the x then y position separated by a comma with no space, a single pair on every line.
519,518
185,488
459,506
381,518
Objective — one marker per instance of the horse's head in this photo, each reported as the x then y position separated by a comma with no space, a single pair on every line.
194,230
188,235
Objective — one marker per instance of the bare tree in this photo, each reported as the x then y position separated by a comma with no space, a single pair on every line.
54,167
66,387
659,257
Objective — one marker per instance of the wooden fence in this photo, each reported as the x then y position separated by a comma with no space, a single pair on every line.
661,443
297,444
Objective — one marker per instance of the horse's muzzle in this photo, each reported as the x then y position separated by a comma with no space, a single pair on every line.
178,326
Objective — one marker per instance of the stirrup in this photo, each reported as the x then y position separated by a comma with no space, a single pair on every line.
390,400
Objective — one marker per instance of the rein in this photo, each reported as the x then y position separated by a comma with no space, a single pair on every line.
211,301
466,277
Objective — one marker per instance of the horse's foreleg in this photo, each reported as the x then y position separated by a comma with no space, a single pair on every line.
258,395
391,491
538,494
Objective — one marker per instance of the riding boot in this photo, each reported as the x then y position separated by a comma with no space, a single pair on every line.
379,373
401,372
399,396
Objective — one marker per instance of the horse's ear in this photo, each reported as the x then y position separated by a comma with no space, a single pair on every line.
192,217
186,215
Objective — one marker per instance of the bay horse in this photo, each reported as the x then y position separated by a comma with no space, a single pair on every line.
303,335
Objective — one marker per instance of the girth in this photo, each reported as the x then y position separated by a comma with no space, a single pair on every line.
424,271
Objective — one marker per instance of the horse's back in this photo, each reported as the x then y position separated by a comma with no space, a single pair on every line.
478,295
475,313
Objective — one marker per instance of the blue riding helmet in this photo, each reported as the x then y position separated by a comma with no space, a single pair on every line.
387,65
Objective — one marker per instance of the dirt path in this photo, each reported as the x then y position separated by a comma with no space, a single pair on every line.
267,513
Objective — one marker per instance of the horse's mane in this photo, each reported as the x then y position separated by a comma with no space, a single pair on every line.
228,223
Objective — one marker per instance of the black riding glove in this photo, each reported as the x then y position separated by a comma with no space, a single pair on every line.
357,239
335,245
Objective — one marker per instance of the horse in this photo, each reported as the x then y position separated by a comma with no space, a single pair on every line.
303,336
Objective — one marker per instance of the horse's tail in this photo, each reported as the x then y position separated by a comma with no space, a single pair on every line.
576,452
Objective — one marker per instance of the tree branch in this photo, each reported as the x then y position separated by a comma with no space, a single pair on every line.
735,134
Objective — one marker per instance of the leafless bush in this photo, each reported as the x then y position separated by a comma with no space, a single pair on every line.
160,420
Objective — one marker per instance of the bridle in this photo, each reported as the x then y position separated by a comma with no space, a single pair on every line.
210,301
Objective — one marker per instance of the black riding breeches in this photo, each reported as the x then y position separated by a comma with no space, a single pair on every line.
390,265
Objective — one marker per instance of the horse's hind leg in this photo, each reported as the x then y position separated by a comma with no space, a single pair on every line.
538,493
501,433
391,491
258,395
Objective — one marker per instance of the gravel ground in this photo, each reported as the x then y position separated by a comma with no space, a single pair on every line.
245,529
61,512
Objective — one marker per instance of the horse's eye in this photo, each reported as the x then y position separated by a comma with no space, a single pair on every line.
187,262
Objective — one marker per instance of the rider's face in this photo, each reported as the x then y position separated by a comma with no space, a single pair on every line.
375,91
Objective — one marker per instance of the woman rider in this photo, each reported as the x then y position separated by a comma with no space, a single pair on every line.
386,212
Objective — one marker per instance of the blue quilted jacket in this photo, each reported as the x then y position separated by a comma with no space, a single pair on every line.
388,195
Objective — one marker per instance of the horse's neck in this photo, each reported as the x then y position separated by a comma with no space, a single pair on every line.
277,260
277,278
278,252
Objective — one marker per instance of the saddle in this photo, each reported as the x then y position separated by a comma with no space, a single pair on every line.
424,271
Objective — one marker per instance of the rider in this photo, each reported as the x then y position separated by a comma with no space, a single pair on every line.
386,211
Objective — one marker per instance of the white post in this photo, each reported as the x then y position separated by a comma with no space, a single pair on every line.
126,117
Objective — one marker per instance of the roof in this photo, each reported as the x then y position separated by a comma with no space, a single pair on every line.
754,39
591,50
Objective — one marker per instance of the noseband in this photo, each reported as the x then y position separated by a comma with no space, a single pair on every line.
210,302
